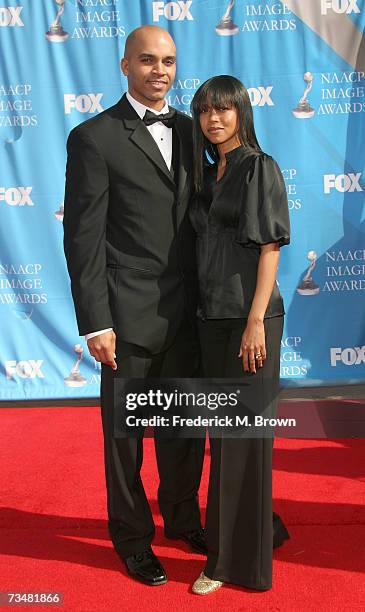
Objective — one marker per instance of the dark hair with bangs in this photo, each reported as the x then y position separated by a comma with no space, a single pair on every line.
222,91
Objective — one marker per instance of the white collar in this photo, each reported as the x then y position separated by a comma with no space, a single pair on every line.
141,108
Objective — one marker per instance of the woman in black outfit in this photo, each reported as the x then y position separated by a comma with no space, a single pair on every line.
240,214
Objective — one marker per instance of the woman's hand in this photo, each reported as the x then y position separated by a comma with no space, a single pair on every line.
253,350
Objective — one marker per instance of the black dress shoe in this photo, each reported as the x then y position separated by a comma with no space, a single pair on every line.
280,531
146,568
195,539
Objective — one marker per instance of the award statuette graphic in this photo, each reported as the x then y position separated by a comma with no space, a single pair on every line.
56,33
75,379
59,213
21,312
304,109
308,286
226,26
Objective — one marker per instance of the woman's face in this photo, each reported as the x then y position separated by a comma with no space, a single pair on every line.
220,126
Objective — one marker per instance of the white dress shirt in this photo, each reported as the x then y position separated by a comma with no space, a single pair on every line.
162,136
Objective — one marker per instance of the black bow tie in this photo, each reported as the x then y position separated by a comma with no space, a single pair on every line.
167,119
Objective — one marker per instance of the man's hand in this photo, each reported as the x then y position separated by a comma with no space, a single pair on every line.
102,348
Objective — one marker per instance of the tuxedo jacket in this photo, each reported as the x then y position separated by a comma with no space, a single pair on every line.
128,240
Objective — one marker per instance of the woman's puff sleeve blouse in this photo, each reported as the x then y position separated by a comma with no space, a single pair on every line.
232,218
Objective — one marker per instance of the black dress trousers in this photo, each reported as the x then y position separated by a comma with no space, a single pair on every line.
239,522
179,461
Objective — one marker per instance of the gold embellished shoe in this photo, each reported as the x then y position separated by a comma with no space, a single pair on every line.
204,585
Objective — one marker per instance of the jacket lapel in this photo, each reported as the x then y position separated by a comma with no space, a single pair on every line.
141,137
184,160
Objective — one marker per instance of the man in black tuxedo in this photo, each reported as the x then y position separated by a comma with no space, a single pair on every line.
131,258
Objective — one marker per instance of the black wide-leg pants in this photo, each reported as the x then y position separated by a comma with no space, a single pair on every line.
179,461
239,522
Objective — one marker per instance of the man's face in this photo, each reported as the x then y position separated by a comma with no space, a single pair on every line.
150,68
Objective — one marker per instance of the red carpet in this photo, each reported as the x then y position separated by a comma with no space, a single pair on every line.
54,536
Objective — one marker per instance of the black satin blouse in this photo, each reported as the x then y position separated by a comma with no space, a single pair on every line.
246,208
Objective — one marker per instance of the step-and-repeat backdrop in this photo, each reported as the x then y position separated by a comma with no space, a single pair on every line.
303,62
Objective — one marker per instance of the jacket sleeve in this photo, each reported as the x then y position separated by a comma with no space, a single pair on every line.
85,213
265,215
